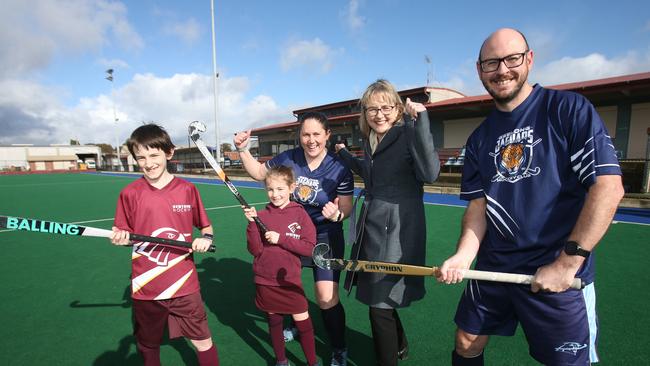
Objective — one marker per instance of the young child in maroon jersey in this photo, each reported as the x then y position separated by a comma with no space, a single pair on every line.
277,261
164,284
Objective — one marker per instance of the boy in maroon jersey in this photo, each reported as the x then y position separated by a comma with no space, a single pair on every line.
164,283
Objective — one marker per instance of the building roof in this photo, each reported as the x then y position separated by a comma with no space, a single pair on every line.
600,91
607,91
52,158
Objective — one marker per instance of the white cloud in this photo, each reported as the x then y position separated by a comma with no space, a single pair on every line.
31,113
311,56
188,31
113,63
590,67
36,30
351,18
557,71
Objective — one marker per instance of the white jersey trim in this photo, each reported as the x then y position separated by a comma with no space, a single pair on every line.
171,290
139,282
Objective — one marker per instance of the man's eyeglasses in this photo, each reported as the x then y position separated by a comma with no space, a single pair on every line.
385,109
511,61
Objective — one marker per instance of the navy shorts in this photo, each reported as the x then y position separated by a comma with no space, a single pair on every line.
561,328
336,240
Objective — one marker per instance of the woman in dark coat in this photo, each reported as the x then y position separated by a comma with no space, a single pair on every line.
399,157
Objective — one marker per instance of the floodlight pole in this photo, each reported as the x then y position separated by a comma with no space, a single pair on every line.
215,76
109,77
646,175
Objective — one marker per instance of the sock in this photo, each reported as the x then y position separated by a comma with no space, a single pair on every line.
402,342
209,357
277,339
334,321
150,355
384,335
458,360
307,342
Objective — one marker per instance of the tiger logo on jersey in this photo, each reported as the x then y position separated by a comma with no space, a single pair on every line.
306,191
513,156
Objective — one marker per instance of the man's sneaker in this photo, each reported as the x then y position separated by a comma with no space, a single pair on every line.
339,357
403,354
290,334
283,363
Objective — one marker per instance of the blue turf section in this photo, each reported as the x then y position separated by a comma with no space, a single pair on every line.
623,214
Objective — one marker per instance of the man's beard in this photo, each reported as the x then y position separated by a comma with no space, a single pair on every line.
505,99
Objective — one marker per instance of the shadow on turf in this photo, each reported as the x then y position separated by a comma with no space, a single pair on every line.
229,293
126,353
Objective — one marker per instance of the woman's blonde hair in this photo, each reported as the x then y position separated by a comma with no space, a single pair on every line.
384,87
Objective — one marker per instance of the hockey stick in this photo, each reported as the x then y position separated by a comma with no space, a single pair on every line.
195,130
410,270
53,227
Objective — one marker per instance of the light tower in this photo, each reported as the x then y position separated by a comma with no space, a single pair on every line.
109,77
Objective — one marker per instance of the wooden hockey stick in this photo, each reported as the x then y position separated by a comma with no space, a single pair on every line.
53,227
195,130
322,249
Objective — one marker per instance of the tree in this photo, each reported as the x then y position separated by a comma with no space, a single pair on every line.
226,147
74,142
105,148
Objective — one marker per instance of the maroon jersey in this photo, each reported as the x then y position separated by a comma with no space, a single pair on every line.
159,271
279,264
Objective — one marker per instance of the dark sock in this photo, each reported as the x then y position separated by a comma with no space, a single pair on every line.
307,342
384,335
402,342
150,354
458,360
209,357
277,339
334,321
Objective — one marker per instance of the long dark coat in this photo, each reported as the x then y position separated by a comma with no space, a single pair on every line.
392,225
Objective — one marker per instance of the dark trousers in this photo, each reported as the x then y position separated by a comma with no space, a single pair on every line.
387,334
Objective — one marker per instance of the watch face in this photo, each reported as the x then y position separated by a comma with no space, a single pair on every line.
571,248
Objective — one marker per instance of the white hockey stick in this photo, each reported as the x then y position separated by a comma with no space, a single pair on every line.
195,130
410,270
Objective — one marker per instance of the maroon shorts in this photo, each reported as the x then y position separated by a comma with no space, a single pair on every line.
280,299
185,316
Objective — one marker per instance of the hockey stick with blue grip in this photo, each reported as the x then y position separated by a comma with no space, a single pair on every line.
53,227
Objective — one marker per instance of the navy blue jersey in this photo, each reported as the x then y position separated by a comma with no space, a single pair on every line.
315,188
534,166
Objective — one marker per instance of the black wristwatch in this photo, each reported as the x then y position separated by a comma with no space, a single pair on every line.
573,248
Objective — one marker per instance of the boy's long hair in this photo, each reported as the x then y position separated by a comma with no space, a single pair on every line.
150,136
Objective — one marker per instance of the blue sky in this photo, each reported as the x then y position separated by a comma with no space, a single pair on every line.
274,57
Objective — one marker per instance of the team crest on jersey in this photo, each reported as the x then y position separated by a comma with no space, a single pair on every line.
513,156
306,190
293,227
157,253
